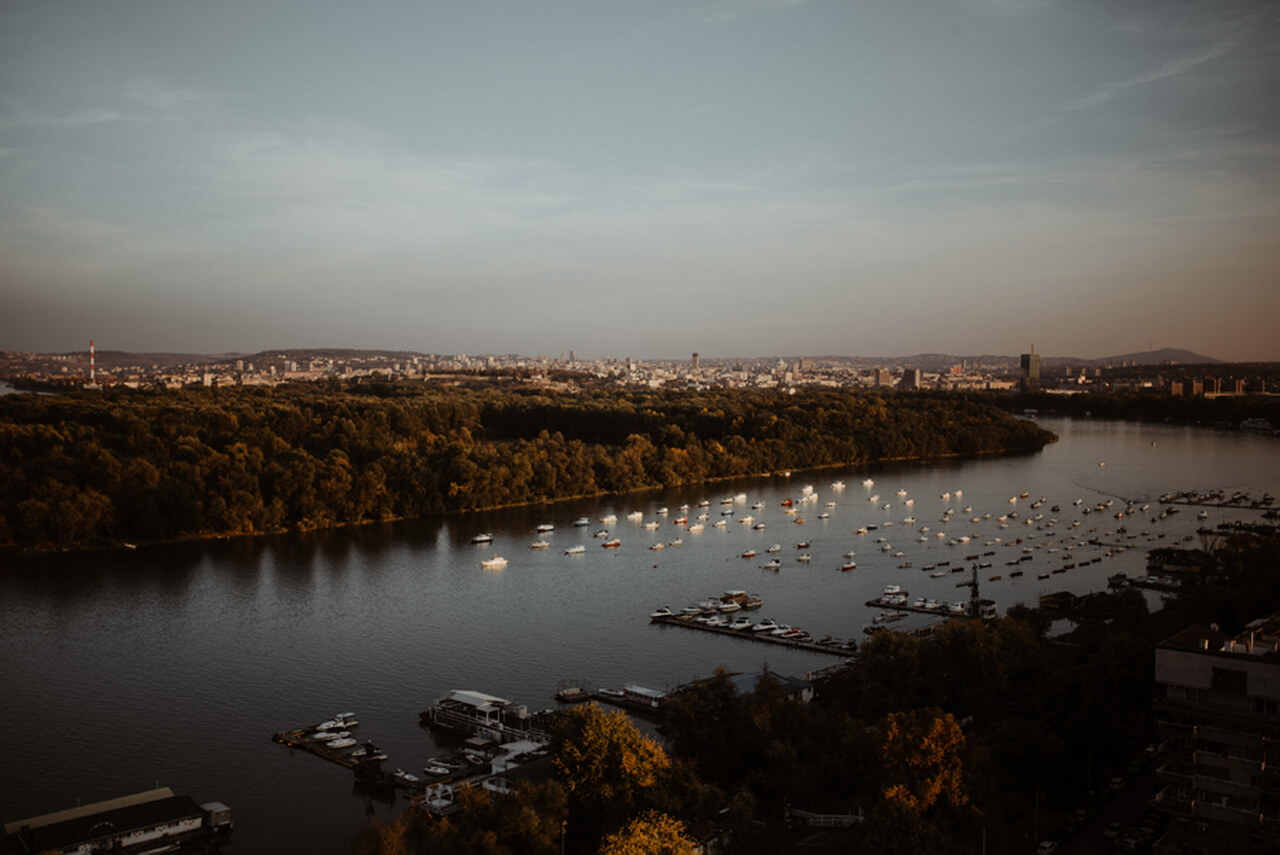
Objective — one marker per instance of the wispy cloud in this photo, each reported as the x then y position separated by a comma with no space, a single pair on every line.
730,10
13,115
1172,68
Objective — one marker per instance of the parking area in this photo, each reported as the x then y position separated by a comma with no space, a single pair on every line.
1118,819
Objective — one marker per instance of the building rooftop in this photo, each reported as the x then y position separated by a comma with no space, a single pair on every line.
1260,637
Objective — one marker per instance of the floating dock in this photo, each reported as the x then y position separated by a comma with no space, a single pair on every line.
842,649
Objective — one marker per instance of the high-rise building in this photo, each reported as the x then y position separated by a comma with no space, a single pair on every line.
883,377
1218,721
1031,371
910,378
693,363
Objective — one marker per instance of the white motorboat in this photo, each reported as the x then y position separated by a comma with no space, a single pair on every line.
339,744
665,611
539,544
804,556
576,550
777,547
766,625
497,562
482,537
772,565
545,527
582,521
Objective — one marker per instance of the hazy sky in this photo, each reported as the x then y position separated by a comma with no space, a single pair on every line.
641,177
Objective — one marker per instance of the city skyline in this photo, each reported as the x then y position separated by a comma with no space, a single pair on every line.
741,177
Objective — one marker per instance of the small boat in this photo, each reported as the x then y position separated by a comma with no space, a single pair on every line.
777,547
837,485
436,770
604,532
766,625
679,541
852,565
662,511
636,515
749,553
482,537
497,562
612,544
609,519
652,524
657,547
405,777
665,611
576,550
775,564
867,482
539,544
759,526
339,744
741,624
613,694
545,527
804,556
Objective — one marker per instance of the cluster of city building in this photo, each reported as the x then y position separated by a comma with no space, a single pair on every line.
931,371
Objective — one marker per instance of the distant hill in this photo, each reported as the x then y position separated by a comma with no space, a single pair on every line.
1163,356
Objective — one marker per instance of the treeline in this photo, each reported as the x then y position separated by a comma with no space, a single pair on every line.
1227,411
82,469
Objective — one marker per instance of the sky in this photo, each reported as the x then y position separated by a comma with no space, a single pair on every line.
641,178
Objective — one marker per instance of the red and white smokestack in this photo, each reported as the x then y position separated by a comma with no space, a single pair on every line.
92,364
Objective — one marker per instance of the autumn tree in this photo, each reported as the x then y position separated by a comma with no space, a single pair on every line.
607,765
652,833
921,752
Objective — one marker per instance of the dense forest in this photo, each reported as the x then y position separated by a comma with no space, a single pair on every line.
87,469
985,736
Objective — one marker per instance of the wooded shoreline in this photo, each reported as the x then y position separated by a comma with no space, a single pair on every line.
87,470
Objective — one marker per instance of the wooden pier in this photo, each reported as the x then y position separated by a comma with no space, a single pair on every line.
303,739
842,649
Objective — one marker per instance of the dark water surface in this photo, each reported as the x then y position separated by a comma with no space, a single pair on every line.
174,664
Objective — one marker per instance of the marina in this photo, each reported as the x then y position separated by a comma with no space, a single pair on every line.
833,648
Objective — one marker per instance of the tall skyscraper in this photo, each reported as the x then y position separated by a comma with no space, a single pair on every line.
1031,371
694,362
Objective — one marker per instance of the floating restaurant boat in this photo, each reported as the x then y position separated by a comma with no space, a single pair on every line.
471,713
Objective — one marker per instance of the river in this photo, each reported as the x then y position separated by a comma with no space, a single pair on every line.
173,664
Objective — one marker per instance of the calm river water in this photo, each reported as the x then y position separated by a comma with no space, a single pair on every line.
174,664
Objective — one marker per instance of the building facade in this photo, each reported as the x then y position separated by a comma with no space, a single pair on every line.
1218,721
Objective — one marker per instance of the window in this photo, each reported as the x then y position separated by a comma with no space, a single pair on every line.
1266,706
1229,680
